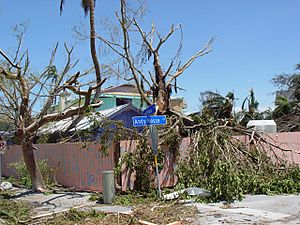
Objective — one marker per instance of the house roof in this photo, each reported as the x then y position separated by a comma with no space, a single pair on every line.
123,89
86,121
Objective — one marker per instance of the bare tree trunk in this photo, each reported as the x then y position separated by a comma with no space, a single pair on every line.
162,97
32,166
93,47
161,92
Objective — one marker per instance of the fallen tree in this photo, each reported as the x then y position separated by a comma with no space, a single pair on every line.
219,160
229,167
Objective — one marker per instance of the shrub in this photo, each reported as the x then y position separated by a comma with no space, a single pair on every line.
23,177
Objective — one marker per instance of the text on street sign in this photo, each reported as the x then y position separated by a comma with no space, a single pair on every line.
139,121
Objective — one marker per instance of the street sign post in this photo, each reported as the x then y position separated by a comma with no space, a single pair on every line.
153,134
154,144
151,121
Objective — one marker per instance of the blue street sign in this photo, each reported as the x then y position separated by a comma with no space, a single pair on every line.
150,110
139,121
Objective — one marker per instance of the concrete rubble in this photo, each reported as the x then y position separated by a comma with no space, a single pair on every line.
192,191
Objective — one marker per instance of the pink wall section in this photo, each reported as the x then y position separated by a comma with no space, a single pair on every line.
81,166
77,166
289,143
167,175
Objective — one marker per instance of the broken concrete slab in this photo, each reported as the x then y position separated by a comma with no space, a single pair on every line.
173,195
195,191
257,209
192,191
270,216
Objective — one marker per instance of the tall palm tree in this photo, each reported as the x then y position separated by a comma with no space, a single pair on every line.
216,105
84,5
252,103
89,7
249,109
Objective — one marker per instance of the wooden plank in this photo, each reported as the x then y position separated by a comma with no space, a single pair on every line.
143,222
175,223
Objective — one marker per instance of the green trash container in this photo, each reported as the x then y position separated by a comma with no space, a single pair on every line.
108,186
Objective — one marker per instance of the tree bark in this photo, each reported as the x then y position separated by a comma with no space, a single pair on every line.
93,47
161,92
32,166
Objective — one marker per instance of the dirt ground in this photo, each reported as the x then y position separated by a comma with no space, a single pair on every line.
21,206
77,208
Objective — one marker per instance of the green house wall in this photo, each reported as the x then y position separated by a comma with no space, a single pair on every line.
109,101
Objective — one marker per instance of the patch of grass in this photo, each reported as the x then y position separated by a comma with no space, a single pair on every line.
135,198
95,197
7,194
166,213
77,216
14,212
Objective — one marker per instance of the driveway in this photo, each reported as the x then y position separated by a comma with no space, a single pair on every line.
254,209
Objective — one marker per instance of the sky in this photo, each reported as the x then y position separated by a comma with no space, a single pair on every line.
255,40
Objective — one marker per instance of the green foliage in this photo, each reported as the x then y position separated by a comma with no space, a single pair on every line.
231,169
283,107
217,106
141,164
289,82
135,198
172,141
44,138
23,177
141,161
14,212
74,216
95,197
225,183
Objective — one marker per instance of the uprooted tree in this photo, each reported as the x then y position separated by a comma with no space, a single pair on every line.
218,160
135,48
26,98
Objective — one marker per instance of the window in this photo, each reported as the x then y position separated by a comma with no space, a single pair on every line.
123,101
